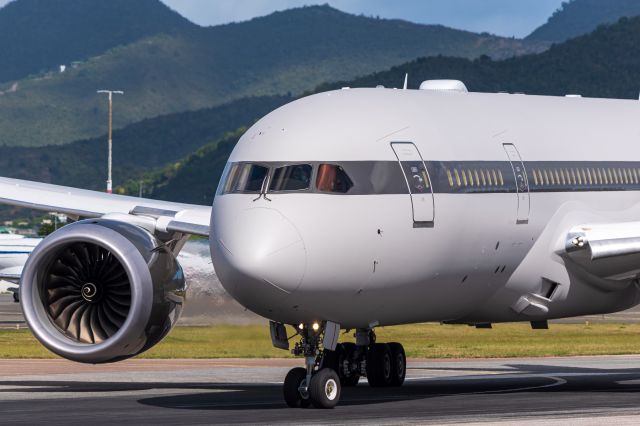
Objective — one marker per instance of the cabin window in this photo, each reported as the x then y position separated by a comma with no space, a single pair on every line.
332,178
450,178
296,177
245,178
455,171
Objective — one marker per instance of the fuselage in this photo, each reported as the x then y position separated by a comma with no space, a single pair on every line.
14,249
376,207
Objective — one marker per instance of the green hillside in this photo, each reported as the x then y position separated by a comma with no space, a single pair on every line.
603,64
146,145
193,178
285,52
40,35
578,17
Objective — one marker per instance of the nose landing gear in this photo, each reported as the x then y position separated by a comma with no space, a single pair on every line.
314,384
320,383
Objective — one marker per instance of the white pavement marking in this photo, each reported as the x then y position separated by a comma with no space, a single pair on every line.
557,382
62,393
554,421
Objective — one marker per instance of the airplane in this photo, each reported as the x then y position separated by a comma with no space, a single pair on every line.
14,250
355,209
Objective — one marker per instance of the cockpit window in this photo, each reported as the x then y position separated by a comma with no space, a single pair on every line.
295,177
332,178
246,178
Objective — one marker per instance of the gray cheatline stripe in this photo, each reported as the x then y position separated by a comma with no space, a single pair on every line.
481,177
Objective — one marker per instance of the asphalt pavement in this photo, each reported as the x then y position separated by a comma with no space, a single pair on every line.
582,390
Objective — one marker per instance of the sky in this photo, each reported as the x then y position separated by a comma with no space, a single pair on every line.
503,17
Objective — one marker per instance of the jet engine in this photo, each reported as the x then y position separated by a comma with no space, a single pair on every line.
101,290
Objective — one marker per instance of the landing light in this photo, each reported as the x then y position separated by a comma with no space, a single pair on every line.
301,326
315,326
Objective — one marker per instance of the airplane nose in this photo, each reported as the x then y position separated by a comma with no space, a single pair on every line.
264,246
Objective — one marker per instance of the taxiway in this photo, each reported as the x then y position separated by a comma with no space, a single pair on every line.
582,390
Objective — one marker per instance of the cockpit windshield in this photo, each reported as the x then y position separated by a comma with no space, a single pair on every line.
296,177
245,178
252,178
332,178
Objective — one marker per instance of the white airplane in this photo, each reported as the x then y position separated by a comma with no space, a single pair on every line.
14,251
355,209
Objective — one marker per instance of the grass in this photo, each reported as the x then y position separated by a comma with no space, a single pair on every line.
420,341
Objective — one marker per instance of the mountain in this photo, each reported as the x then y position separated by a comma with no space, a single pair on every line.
194,178
139,147
188,67
578,17
41,35
603,64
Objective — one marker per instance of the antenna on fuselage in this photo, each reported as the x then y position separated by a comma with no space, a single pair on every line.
406,80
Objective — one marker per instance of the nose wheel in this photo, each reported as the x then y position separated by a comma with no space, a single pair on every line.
293,384
324,390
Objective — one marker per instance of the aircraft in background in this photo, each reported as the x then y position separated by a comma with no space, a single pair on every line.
14,251
355,209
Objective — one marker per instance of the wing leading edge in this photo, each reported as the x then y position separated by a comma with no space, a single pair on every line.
173,217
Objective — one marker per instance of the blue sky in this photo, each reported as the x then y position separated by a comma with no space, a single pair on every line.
504,17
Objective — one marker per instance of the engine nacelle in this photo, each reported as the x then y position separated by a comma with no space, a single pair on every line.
101,290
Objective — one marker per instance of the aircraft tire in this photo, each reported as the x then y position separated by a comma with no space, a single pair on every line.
292,383
379,365
398,364
324,390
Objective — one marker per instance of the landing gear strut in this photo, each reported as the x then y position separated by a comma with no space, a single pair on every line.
313,384
327,371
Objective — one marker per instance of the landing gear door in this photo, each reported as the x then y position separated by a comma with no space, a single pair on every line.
418,182
522,183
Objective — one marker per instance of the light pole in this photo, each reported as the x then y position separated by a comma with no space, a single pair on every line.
109,161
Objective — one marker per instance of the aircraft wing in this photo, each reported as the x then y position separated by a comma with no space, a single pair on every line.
608,250
171,217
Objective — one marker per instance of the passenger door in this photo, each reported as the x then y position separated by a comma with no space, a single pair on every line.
418,182
522,183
